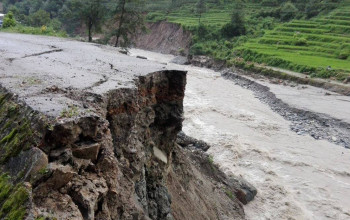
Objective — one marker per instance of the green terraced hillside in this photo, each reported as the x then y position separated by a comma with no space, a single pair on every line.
297,45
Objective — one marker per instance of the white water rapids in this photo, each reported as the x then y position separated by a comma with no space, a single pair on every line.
297,177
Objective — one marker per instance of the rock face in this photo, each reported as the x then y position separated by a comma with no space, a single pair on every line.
106,147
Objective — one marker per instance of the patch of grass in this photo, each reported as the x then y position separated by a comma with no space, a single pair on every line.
17,140
12,199
70,112
229,194
48,31
16,132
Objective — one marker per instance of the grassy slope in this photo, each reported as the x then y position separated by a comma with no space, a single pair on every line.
325,38
300,45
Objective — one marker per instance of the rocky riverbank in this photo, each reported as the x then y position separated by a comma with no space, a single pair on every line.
318,126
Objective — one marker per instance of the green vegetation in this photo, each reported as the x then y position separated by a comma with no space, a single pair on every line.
116,18
16,133
48,31
229,194
129,19
311,37
9,20
12,199
70,112
314,47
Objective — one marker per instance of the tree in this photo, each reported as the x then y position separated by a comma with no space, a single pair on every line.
92,14
53,7
201,8
288,11
237,25
89,12
313,8
9,20
129,20
39,18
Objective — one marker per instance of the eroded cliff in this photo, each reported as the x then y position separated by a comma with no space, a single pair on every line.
88,133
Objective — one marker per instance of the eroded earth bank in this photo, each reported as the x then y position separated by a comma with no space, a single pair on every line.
90,133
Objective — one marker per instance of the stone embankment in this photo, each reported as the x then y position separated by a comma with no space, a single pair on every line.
90,133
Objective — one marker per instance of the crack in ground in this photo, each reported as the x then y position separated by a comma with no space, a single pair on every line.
45,52
96,84
36,54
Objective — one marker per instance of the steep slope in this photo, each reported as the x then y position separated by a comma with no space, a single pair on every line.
165,37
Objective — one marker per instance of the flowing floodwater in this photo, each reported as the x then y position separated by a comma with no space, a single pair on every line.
297,177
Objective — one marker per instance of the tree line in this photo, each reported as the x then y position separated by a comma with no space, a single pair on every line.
119,18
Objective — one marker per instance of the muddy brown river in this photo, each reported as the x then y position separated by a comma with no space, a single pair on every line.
297,177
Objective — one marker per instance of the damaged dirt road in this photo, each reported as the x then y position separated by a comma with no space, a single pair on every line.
35,65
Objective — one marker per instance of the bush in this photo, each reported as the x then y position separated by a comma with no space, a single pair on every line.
300,42
9,21
197,49
56,24
343,55
202,31
233,29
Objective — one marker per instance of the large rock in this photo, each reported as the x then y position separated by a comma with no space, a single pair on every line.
181,60
27,164
187,142
244,191
87,151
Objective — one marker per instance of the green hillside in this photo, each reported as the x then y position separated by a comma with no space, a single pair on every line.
315,43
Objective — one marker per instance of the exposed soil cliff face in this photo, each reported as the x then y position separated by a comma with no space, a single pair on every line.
112,154
90,167
165,38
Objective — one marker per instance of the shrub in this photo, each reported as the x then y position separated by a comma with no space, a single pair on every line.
343,55
202,31
9,21
300,42
197,49
233,29
55,24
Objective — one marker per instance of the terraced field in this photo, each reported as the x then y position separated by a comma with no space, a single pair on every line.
321,42
214,17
